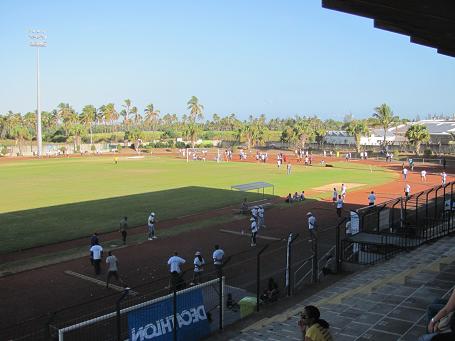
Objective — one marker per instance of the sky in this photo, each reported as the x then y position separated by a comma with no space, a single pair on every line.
278,58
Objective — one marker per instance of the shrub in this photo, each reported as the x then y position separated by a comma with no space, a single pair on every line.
93,148
119,148
180,144
3,150
396,154
427,152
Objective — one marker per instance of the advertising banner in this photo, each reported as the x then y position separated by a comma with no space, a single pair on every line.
156,322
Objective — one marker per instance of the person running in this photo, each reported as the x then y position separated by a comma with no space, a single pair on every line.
151,221
371,198
112,268
123,228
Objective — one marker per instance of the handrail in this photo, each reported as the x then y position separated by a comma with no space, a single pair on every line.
305,261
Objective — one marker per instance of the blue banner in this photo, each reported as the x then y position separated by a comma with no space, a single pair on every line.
156,321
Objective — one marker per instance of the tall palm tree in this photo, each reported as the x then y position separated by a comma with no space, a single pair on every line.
87,117
196,109
385,118
16,129
151,116
416,135
357,129
109,114
126,112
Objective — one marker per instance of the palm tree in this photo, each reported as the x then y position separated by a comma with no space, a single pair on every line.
137,117
151,116
126,112
69,117
357,129
16,129
196,109
416,135
109,114
191,132
385,118
87,117
30,123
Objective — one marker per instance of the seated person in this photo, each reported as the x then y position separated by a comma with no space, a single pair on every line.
289,198
270,293
296,197
302,196
441,318
231,304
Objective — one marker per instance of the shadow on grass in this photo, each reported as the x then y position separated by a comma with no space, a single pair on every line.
29,228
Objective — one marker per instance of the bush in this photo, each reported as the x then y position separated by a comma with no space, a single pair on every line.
119,148
427,152
3,150
396,154
206,145
180,144
93,148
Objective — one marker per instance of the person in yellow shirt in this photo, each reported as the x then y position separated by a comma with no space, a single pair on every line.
312,326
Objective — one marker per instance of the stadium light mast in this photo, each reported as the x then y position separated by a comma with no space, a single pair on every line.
38,39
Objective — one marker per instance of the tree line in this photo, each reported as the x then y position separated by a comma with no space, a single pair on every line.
64,124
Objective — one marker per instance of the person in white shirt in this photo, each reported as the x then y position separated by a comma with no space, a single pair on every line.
254,231
312,225
343,191
339,205
199,263
174,263
423,175
217,256
151,226
405,174
96,253
260,219
371,198
443,178
407,191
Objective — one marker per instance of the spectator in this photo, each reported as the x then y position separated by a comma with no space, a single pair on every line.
96,253
302,196
217,256
312,326
371,198
199,263
296,197
441,318
270,293
123,228
112,268
174,263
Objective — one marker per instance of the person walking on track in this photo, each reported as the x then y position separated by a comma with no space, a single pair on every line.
254,231
312,226
112,268
123,228
96,253
151,226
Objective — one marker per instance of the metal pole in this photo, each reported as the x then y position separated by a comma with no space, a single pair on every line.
38,109
291,239
258,275
338,245
119,322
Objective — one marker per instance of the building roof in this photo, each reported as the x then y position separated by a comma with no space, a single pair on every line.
426,22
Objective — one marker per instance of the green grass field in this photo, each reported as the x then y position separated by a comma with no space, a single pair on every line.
46,201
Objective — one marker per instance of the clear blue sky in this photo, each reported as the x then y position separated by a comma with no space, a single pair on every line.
277,58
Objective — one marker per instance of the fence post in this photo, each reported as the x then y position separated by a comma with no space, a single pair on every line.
315,260
221,291
117,306
291,239
258,276
417,214
338,246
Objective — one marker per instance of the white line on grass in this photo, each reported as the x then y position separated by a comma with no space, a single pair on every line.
247,235
97,281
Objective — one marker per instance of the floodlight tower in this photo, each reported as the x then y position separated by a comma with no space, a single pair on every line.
38,39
